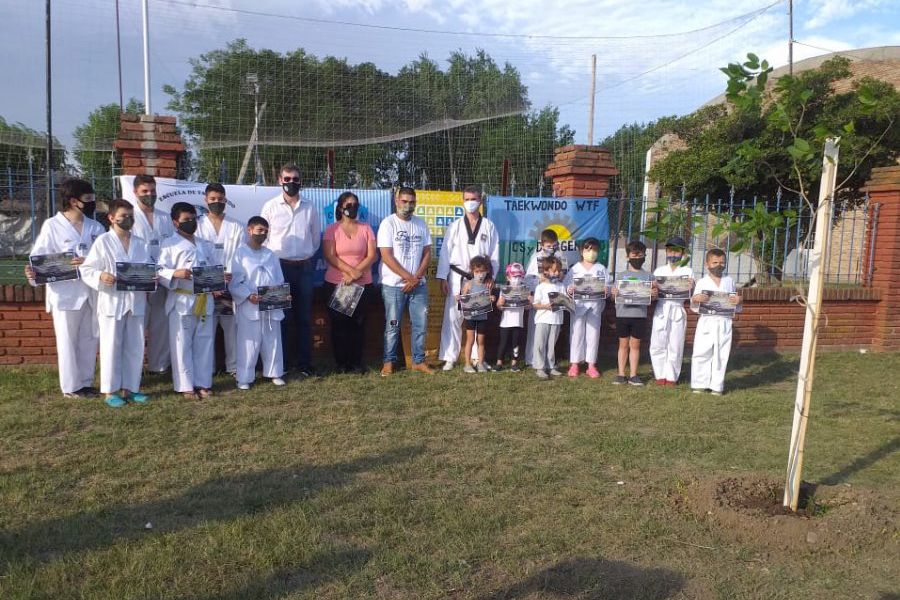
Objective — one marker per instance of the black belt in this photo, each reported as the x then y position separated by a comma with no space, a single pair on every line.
302,262
460,272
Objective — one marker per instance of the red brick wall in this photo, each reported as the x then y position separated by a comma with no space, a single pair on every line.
884,190
26,329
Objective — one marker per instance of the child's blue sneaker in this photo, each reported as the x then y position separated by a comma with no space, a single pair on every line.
138,397
115,401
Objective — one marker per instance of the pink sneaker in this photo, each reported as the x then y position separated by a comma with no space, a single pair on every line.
573,371
592,372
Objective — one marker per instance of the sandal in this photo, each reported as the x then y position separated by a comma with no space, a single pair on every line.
189,395
204,393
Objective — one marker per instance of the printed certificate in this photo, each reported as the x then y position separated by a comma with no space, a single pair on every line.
49,268
135,277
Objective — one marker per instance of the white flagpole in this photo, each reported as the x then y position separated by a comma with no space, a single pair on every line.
145,14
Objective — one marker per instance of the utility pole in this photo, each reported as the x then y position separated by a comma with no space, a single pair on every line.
791,37
119,59
593,90
145,15
49,118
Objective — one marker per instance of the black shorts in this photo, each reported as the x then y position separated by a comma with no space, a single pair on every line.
476,326
635,327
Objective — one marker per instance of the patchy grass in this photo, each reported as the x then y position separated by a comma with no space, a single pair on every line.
461,486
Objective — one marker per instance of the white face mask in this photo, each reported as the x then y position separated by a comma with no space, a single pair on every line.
479,277
515,281
471,205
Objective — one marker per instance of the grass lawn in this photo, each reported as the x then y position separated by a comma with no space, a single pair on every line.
453,486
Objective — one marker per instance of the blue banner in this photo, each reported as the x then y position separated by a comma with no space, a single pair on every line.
520,221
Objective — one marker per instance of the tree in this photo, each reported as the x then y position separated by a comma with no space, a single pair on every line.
18,142
94,145
309,105
771,138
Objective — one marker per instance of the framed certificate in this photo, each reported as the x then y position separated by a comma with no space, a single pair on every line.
208,279
633,291
474,305
274,297
135,277
560,301
720,304
49,268
674,288
589,287
346,298
515,296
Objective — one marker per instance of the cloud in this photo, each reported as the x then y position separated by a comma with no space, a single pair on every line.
825,12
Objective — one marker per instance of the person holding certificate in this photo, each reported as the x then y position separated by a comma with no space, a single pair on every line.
258,331
191,332
590,299
349,246
674,283
633,292
712,338
72,231
120,313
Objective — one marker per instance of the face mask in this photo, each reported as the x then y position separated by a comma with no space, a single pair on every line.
515,281
471,205
291,188
351,210
553,278
259,238
148,199
589,256
717,271
216,208
406,211
188,227
126,223
479,277
550,251
637,263
87,209
674,258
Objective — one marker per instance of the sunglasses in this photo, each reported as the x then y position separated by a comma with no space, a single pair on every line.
290,180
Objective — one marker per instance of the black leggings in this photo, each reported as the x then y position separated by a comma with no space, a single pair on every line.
347,333
509,336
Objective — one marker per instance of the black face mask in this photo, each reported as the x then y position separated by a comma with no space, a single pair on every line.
637,263
259,238
148,199
291,188
188,227
351,210
87,209
126,223
216,208
717,271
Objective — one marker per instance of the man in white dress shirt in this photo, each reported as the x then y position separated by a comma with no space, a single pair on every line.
295,234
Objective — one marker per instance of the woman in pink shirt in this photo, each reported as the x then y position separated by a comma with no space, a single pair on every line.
349,248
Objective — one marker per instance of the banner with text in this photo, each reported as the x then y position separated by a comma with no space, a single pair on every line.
520,221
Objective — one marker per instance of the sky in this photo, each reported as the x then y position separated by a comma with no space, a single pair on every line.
654,57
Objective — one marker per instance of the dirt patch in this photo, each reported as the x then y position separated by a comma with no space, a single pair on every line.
830,518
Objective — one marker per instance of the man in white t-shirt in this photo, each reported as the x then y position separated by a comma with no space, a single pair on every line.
405,246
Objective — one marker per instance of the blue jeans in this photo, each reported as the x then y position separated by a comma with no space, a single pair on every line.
296,328
395,301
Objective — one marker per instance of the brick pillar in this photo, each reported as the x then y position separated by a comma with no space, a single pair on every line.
884,189
581,171
149,145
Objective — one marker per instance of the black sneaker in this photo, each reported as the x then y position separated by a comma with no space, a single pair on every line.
515,369
619,380
497,368
88,391
635,381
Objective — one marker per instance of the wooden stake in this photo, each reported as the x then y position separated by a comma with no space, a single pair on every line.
810,329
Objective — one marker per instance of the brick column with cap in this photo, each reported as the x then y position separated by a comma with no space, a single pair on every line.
884,190
149,145
581,171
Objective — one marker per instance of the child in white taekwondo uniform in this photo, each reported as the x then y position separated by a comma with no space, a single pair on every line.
72,303
191,331
120,313
153,226
226,235
669,319
712,339
584,336
467,237
258,333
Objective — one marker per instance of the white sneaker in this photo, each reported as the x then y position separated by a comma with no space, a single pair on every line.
482,368
469,369
448,366
243,386
277,381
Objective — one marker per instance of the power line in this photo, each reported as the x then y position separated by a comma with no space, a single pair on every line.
258,13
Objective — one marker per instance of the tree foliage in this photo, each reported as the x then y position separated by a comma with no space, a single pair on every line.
308,105
94,145
18,143
768,138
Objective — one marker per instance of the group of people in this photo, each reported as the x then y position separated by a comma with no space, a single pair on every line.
179,324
